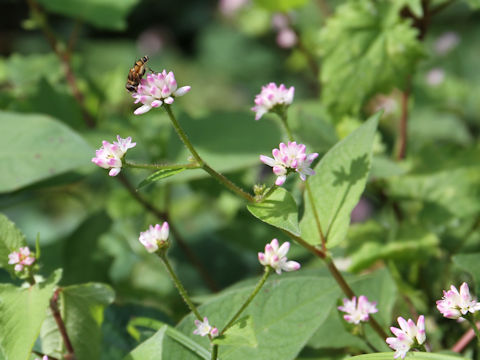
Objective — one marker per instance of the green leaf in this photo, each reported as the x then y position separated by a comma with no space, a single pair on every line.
37,147
368,48
159,175
450,181
105,14
279,209
337,185
151,348
280,5
470,264
309,121
412,354
171,332
285,314
11,239
23,310
411,243
474,4
82,309
378,286
241,333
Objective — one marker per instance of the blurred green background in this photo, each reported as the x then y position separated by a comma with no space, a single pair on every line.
89,223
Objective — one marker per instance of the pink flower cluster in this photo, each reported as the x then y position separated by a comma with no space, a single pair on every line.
276,257
290,158
156,89
358,312
204,328
155,237
409,335
21,258
110,156
455,304
272,97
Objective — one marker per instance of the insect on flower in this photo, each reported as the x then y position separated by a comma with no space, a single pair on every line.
135,74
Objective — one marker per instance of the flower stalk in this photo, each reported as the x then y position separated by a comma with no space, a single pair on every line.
179,285
201,163
261,282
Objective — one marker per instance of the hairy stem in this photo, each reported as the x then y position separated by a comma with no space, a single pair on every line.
247,302
180,287
221,178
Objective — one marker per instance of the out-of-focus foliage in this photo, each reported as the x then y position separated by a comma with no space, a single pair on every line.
400,227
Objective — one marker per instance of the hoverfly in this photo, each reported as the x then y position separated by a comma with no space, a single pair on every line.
135,74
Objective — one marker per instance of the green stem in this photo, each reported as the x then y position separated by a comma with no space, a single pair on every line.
179,286
261,282
283,117
160,167
471,320
214,352
201,163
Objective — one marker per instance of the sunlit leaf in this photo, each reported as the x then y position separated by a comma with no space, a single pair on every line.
367,48
11,239
336,187
285,314
23,310
278,209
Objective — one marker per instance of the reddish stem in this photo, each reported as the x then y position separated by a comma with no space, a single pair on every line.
61,325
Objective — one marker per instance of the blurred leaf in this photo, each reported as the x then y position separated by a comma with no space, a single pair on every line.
285,313
339,182
411,243
280,5
412,354
378,286
82,309
278,209
384,167
83,258
475,4
368,48
171,332
56,103
151,348
37,147
23,310
470,264
105,14
11,239
257,67
427,126
226,140
241,333
25,70
159,175
310,121
449,180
